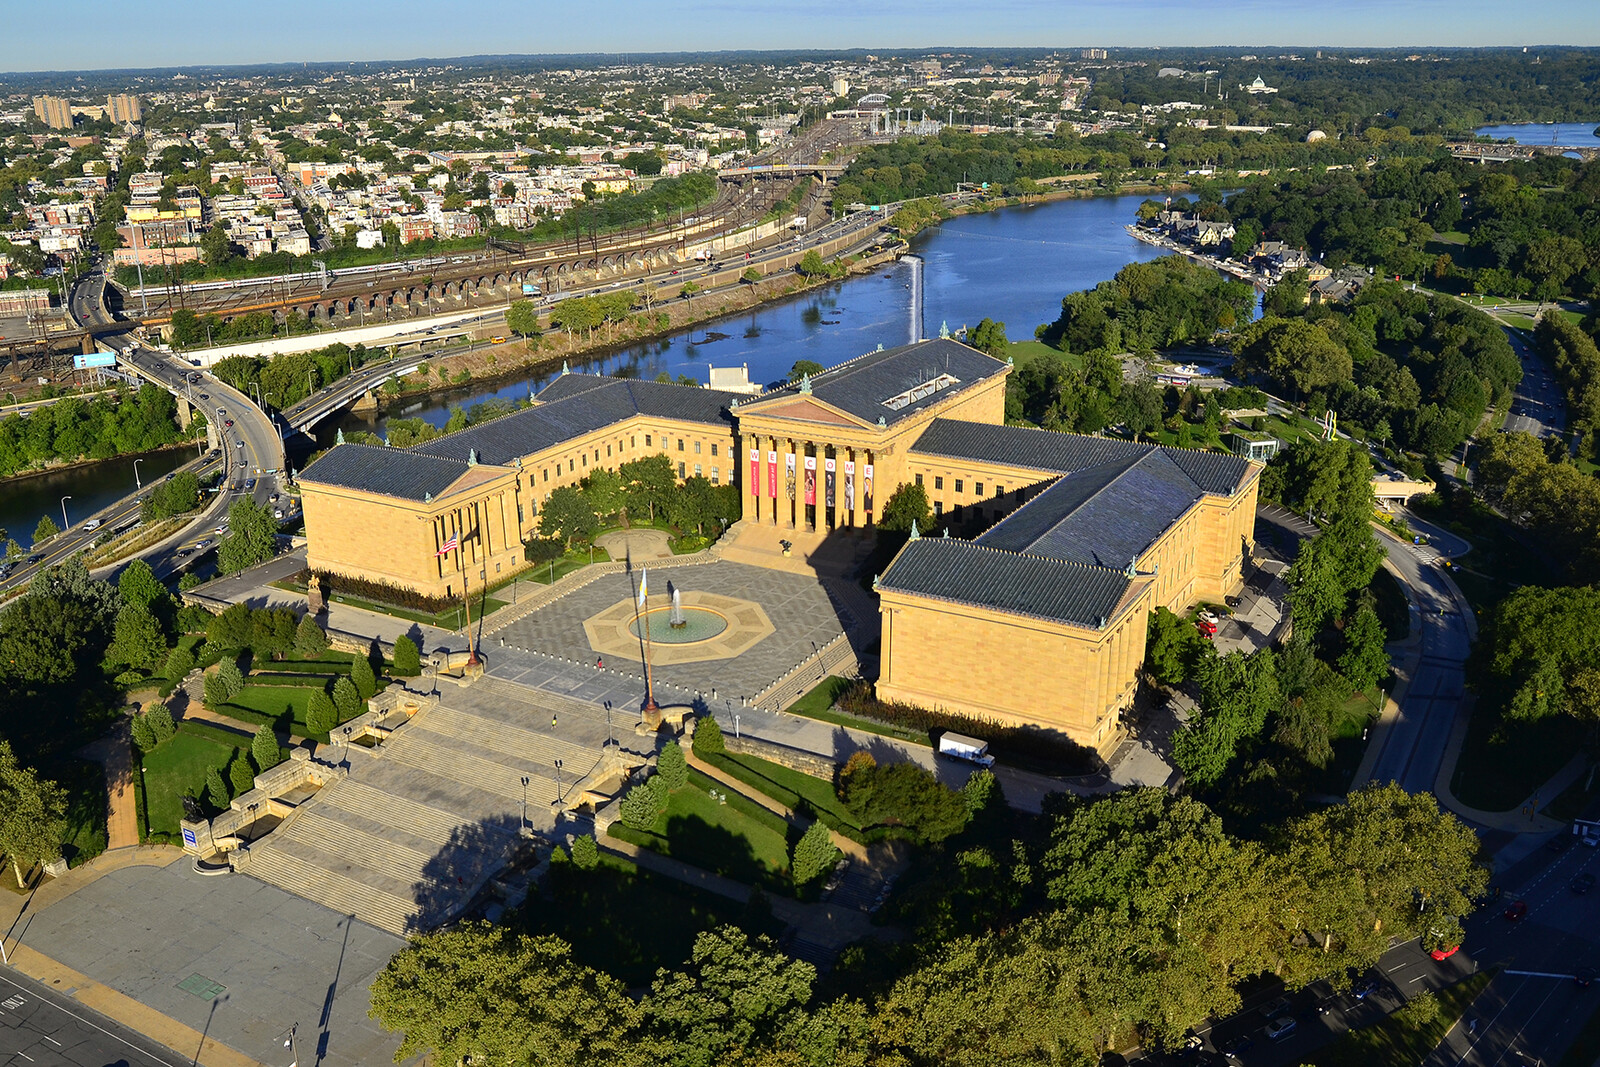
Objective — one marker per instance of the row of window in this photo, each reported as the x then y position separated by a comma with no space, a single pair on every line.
977,487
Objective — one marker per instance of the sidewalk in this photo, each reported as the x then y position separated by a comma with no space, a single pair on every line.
15,916
114,752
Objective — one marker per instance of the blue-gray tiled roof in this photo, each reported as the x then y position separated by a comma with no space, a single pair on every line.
387,471
576,404
969,573
861,385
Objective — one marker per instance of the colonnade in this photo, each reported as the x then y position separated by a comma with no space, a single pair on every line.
796,484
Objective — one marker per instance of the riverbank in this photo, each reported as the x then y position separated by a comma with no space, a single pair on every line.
916,222
79,464
1139,233
496,364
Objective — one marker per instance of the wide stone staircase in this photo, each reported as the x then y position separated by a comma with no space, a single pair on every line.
415,829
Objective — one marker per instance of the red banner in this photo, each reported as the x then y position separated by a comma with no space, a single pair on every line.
755,472
811,479
772,474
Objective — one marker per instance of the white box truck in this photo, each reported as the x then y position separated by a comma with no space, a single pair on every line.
962,747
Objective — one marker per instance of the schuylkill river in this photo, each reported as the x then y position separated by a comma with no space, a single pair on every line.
1013,265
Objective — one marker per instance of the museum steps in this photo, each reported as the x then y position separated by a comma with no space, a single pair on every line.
386,911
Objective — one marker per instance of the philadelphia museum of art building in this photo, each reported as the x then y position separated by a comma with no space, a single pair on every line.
1027,603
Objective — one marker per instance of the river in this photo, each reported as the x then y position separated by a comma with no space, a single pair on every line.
1013,265
1565,134
92,486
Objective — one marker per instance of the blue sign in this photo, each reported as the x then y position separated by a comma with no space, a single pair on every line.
96,359
529,290
188,837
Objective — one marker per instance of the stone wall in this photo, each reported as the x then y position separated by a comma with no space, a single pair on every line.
792,758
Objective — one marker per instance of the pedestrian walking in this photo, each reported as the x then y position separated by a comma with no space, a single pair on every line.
552,722
599,663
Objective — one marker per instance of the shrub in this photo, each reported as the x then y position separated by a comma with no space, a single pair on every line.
230,677
309,640
814,854
407,660
708,737
232,629
264,749
362,676
367,589
143,736
671,766
241,774
161,724
903,795
180,661
192,618
1419,1011
346,699
585,852
216,791
639,807
216,691
321,715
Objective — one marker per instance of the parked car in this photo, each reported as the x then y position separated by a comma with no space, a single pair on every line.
1276,1006
1206,623
1444,953
1278,1029
1242,1043
1516,910
1364,987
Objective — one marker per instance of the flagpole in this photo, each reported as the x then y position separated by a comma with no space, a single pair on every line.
461,563
643,623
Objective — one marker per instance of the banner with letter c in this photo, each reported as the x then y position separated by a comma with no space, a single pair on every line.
811,480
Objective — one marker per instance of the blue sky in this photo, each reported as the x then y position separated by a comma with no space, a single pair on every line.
89,34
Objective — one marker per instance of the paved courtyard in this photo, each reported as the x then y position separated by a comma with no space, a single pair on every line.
278,960
804,614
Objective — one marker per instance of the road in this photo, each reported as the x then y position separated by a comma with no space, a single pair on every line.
1539,406
40,1026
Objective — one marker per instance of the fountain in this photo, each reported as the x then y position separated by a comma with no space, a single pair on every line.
675,619
916,297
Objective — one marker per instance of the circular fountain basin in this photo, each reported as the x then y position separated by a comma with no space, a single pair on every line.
699,624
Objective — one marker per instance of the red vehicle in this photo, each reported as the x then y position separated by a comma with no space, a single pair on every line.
1206,624
1444,953
1516,910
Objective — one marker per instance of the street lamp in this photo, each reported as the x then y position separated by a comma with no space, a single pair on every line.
561,788
524,801
137,484
289,1044
64,522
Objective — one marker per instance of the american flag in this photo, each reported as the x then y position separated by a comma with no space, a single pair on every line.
450,545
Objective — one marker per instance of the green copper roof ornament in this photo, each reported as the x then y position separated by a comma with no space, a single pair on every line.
1010,361
875,578
1133,569
564,369
916,535
805,384
427,498
733,405
883,423
944,330
338,437
472,457
879,348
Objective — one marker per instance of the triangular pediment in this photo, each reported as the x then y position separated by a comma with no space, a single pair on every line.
801,409
474,476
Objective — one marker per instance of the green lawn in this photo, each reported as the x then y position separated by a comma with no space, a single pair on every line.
1399,1040
800,792
85,785
629,922
1023,351
283,707
818,704
176,768
738,839
1503,762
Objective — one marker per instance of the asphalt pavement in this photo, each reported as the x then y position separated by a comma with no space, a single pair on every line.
44,1027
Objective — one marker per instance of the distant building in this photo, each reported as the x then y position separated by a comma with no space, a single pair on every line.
841,86
1258,87
124,108
54,111
24,301
1092,53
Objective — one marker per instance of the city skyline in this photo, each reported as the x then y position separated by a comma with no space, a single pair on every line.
113,36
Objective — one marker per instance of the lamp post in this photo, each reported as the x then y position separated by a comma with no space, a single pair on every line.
64,523
561,789
137,484
524,801
289,1044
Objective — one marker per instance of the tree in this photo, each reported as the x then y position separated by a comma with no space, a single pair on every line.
46,529
252,537
688,291
804,367
750,276
585,852
605,491
1327,568
346,698
232,630
811,264
264,749
321,715
310,642
650,483
902,795
640,806
215,246
907,505
477,993
1139,407
814,854
241,775
522,318
180,661
162,728
407,660
139,586
144,738
216,790
361,674
230,677
990,336
707,741
137,640
672,767
1544,650
1364,661
567,515
1174,648
1237,691
32,815
215,691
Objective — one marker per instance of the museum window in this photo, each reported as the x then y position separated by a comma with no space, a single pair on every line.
697,470
713,449
938,508
585,458
958,485
697,448
716,475
680,444
999,490
919,479
680,470
546,473
571,466
608,451
938,481
977,487
647,440
631,441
